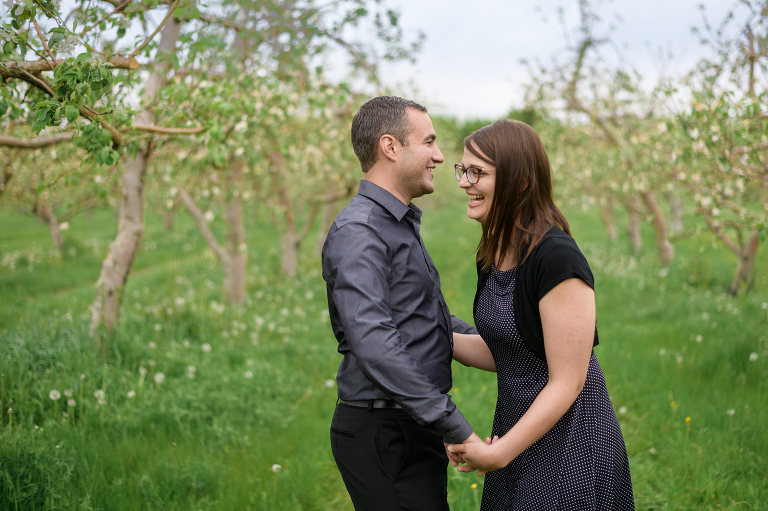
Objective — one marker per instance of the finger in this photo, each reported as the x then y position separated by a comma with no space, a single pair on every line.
488,440
465,468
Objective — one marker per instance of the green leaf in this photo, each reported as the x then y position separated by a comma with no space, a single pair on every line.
3,107
55,39
71,112
8,47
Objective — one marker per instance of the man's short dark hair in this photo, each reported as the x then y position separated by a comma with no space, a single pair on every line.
383,115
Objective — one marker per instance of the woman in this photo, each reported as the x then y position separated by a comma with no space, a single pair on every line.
557,442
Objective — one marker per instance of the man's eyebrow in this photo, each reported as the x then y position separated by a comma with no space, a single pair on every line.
430,138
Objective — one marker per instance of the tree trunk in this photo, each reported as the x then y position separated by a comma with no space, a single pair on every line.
168,215
633,225
7,173
46,215
328,214
676,224
236,269
606,213
666,250
746,262
130,228
289,243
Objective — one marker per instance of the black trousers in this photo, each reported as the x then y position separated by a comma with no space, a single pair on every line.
388,461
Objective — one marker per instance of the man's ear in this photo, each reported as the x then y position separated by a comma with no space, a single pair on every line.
389,146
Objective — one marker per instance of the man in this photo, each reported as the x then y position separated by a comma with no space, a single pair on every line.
391,321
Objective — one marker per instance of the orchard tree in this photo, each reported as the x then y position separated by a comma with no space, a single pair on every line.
275,126
723,159
85,97
53,184
610,104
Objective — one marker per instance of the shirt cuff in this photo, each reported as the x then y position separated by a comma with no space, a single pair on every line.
454,427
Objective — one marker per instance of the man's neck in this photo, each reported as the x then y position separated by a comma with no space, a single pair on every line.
380,178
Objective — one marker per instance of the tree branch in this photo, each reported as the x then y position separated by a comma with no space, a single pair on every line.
718,231
189,202
35,143
12,69
43,41
157,30
118,7
168,131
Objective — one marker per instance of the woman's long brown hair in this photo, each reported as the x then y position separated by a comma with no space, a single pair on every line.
523,209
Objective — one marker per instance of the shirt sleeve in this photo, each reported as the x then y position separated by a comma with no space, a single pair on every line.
462,327
560,259
358,261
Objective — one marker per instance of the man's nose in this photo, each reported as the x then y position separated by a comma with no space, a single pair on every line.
437,156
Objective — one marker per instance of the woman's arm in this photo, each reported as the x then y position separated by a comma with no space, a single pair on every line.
568,322
471,350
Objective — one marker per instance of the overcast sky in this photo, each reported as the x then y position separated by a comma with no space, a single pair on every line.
469,65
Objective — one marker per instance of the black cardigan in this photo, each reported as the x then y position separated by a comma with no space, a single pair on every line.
555,259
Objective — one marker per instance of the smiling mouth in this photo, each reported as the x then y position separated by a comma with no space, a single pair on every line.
476,198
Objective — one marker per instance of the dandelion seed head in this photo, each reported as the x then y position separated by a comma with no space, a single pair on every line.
753,356
71,403
206,347
730,412
698,338
623,410
159,378
142,370
248,375
652,450
131,394
69,392
54,395
277,468
330,383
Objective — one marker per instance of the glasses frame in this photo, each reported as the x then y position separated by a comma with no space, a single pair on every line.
473,173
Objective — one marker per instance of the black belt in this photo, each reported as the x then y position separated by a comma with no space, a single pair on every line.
371,403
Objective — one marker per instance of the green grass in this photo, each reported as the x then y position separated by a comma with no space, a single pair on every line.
243,390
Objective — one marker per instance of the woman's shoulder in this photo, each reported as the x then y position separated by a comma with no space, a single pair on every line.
556,243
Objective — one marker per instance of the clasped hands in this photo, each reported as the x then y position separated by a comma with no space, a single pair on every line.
474,454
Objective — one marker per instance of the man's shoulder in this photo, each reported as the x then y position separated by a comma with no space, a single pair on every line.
359,210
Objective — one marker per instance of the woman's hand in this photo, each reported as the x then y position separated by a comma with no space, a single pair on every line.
483,457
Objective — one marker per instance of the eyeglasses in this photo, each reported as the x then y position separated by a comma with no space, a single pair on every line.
473,173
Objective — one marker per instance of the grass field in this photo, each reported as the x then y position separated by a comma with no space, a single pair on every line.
200,406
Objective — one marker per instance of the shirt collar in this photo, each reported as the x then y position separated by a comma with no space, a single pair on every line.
388,201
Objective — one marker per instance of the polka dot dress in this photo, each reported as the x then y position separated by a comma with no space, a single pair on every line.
581,463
